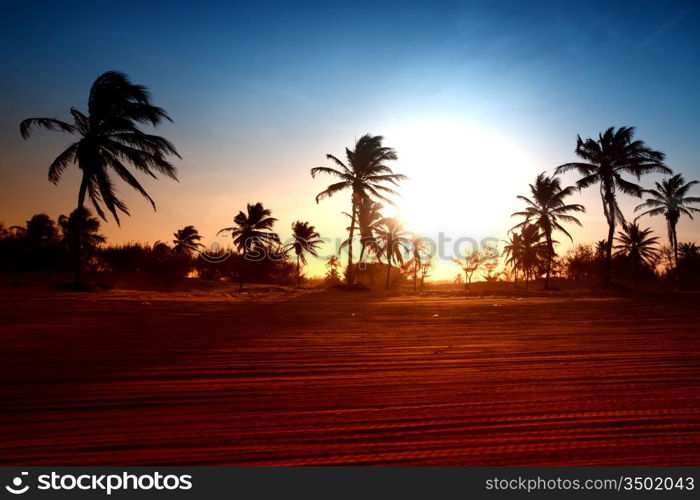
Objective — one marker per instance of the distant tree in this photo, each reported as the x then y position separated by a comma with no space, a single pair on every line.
108,140
475,261
547,210
187,240
395,241
638,246
365,174
669,199
420,248
306,240
606,160
252,234
332,270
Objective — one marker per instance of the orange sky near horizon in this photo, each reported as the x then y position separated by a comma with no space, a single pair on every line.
463,183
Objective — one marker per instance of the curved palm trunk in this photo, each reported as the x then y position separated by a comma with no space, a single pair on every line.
609,205
351,231
76,237
415,273
240,273
298,273
388,273
359,261
550,257
673,238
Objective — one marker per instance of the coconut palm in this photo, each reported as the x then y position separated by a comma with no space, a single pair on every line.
369,217
638,246
395,240
306,240
606,160
108,141
669,199
513,253
187,240
365,174
333,264
252,233
547,210
81,227
420,249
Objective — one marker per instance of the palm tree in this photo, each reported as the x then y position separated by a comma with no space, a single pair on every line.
252,233
669,199
547,210
332,264
420,248
613,154
306,240
394,239
513,253
637,245
369,217
365,174
109,140
187,240
40,230
81,227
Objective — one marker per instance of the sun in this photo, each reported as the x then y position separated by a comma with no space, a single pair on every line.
463,182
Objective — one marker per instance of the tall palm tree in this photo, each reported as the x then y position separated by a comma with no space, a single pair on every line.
365,174
395,240
547,209
513,253
669,199
606,160
187,240
108,141
306,240
252,233
638,246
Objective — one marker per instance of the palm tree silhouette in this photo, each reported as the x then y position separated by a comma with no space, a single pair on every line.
395,241
306,240
80,226
365,174
109,139
613,154
369,217
187,240
419,249
669,199
513,250
252,233
547,210
637,245
333,264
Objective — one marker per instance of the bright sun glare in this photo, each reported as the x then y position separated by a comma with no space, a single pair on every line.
463,182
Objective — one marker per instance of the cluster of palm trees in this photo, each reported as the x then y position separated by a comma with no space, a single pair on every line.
608,161
370,181
109,139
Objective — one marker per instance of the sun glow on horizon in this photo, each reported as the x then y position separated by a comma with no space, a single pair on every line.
463,183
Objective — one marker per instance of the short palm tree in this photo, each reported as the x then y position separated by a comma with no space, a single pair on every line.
512,251
547,210
395,241
187,240
669,199
333,265
80,226
365,173
638,246
420,249
606,160
252,233
306,240
109,141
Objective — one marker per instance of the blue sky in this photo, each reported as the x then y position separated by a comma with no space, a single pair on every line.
261,91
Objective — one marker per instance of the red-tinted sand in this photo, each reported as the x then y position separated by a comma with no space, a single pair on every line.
346,378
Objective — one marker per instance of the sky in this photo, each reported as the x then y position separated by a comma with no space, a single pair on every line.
476,97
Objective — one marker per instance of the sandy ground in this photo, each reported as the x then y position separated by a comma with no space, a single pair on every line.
279,378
